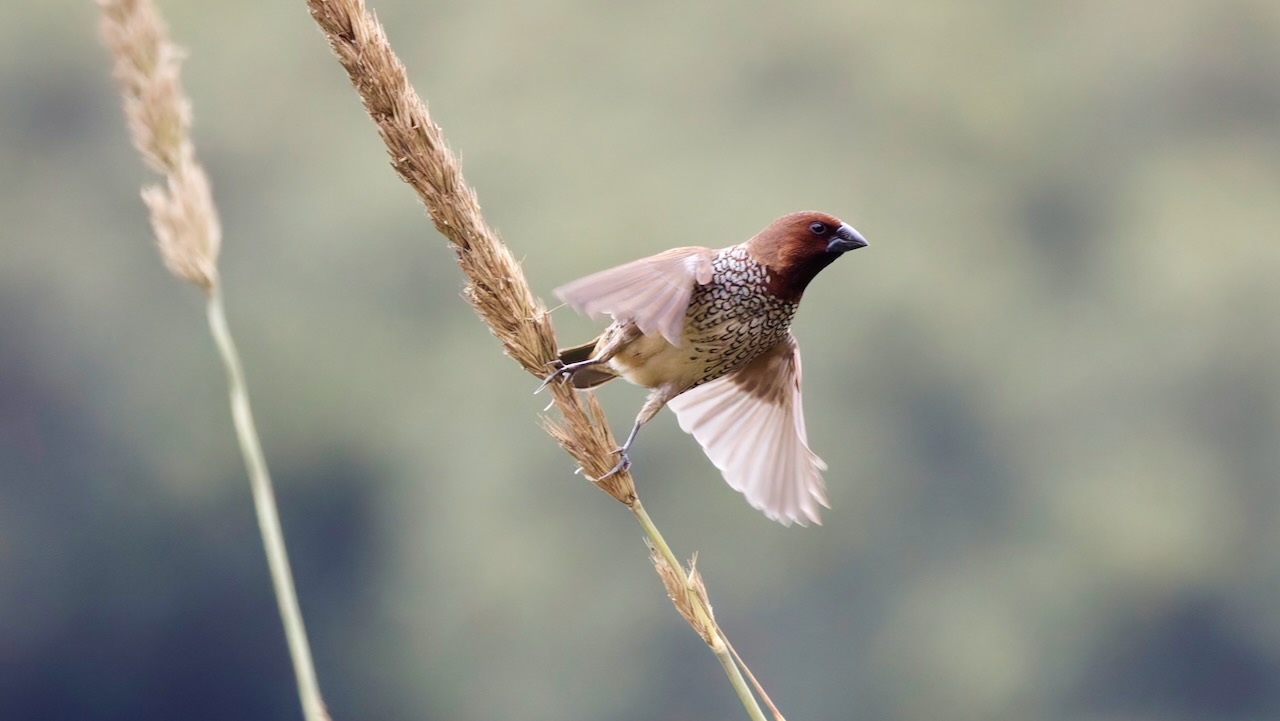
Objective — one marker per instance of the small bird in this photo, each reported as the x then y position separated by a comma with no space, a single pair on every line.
709,331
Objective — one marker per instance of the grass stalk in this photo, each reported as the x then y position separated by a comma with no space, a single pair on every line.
185,220
497,290
696,608
264,504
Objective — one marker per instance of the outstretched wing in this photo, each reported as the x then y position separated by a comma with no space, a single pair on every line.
751,425
651,292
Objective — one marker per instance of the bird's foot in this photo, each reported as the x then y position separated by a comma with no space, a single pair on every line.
560,370
624,462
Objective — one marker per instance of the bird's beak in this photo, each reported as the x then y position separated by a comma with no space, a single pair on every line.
846,239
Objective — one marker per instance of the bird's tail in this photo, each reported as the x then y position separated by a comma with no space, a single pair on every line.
586,376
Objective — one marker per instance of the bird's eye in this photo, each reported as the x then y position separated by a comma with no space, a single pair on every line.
818,228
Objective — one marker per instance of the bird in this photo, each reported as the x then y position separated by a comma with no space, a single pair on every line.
709,333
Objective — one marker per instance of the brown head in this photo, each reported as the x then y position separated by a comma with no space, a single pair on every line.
796,247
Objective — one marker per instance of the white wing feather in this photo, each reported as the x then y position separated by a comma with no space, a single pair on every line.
751,425
651,292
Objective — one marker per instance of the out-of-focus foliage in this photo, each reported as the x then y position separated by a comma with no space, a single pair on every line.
1049,392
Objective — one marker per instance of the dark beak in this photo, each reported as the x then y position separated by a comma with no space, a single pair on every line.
846,239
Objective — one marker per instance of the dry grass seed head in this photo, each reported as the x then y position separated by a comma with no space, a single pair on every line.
679,593
146,67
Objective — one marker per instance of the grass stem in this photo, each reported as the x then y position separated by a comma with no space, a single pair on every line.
719,645
264,503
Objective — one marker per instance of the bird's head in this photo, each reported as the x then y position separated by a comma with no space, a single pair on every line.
796,247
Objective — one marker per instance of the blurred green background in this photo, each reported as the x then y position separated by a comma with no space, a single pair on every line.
1049,392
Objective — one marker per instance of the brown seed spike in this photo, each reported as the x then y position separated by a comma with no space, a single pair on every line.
159,116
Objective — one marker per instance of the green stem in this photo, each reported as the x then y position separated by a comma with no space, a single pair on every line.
264,502
719,646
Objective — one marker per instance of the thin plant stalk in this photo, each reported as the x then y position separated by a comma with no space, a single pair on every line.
714,637
264,503
185,221
498,291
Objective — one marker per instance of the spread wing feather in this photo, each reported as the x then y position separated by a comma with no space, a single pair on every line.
651,292
751,425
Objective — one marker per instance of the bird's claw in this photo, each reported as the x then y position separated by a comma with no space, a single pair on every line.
560,370
624,462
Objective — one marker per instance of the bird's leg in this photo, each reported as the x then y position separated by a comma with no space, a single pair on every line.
657,399
567,370
624,461
606,348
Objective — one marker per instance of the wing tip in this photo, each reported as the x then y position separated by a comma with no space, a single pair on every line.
802,518
807,512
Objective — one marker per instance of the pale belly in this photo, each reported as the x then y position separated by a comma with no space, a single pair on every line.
650,361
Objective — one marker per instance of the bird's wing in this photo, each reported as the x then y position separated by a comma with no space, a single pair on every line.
652,292
751,425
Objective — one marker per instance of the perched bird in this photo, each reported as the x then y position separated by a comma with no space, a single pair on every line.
709,332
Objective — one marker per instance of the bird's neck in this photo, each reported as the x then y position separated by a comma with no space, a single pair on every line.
789,274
